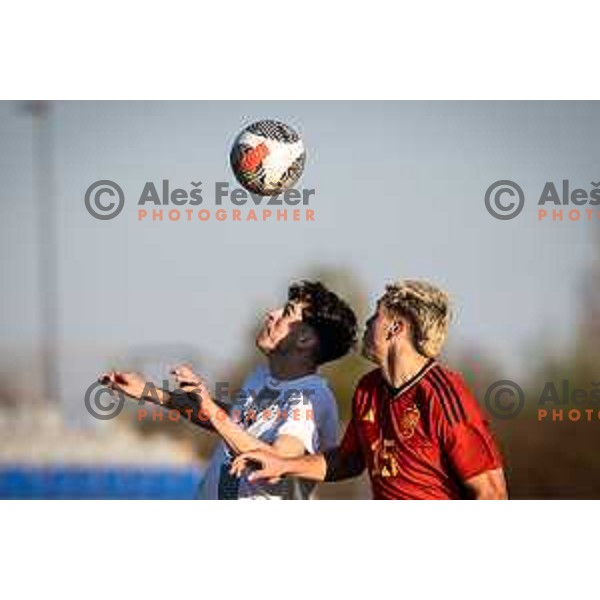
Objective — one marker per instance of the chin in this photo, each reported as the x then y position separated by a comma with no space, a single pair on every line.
367,353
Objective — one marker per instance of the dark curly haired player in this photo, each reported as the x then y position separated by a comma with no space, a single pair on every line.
284,406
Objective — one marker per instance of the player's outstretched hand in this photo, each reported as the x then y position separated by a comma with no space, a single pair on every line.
131,384
186,378
263,465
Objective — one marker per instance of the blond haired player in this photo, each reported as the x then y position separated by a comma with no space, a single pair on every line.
415,426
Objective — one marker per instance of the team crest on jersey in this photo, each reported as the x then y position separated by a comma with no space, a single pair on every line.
409,422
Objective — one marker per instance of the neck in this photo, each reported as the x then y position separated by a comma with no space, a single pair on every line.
286,367
401,366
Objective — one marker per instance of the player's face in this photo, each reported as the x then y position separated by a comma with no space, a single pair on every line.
279,328
376,338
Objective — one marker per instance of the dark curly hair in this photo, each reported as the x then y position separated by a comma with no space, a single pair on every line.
332,319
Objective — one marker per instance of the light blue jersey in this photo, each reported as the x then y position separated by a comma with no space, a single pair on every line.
304,408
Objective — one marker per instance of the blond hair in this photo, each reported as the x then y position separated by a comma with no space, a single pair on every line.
426,307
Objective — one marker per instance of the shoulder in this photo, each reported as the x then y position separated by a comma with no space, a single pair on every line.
319,394
365,389
323,404
441,377
252,384
261,371
449,396
369,381
256,376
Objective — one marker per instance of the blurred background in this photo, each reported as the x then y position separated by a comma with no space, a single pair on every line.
399,193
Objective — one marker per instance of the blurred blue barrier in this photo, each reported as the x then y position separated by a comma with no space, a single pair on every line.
105,483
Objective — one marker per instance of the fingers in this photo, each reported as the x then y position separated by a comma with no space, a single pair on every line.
113,381
238,467
187,380
184,371
252,460
104,378
110,379
121,378
251,455
184,375
243,462
260,474
119,381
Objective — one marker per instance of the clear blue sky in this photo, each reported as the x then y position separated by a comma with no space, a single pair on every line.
399,193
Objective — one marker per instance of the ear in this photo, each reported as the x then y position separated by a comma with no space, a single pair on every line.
307,338
394,329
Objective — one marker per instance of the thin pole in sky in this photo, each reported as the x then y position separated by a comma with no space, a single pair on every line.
44,190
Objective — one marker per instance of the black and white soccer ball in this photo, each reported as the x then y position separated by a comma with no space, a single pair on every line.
268,157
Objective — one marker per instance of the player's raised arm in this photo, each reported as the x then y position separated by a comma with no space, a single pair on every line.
131,384
184,400
237,438
220,420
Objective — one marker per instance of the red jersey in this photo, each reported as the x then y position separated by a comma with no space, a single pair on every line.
420,441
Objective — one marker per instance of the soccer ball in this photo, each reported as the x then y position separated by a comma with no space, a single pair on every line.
268,157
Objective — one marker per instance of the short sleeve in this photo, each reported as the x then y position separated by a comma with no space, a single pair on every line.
466,439
245,396
298,420
471,449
